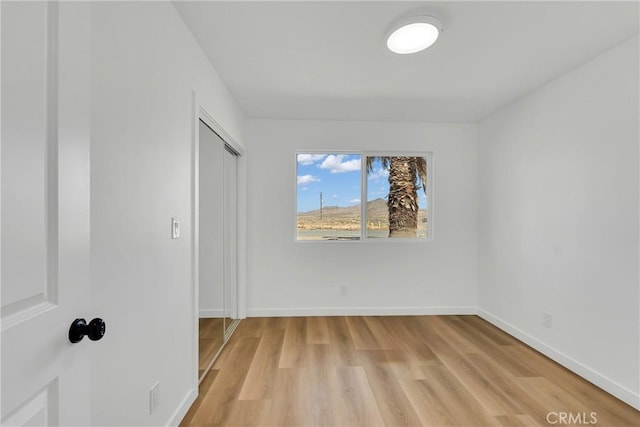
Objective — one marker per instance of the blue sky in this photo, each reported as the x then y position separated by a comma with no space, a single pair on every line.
338,177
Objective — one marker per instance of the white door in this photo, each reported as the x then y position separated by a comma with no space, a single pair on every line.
210,224
45,212
230,203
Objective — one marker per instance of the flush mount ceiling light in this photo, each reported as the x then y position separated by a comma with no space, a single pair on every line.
414,34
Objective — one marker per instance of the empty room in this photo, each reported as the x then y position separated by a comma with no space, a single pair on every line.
320,213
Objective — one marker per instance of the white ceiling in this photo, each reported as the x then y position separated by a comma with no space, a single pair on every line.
328,60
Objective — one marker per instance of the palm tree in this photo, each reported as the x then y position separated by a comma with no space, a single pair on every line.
406,175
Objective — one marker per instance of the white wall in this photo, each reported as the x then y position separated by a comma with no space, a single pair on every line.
558,220
285,277
145,64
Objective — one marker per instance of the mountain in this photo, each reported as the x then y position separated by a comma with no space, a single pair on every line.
377,207
377,211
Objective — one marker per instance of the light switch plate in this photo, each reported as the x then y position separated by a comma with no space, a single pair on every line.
175,228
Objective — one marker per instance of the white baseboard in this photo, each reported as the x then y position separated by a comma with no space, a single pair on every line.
628,396
358,311
182,410
211,312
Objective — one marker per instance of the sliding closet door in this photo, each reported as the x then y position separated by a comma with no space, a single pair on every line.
210,245
230,236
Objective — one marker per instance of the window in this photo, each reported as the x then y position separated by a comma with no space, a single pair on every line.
329,194
397,196
332,186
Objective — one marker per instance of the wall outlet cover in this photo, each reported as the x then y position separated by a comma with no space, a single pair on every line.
547,320
154,397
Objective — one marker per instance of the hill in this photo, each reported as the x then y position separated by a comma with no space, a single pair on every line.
348,218
377,207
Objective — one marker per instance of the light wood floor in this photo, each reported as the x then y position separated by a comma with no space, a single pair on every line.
394,371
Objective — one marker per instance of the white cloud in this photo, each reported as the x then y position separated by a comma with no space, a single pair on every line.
378,173
335,164
306,179
354,201
309,159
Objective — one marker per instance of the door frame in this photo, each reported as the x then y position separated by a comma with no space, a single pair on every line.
201,112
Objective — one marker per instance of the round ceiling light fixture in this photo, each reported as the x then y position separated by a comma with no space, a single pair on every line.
414,34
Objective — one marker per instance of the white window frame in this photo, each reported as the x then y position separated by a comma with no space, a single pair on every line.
364,194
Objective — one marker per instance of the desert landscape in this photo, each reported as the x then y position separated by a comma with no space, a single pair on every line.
343,223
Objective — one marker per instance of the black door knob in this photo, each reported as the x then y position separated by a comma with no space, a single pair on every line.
94,330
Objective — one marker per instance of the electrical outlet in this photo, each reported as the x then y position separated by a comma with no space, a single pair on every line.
343,290
547,320
154,397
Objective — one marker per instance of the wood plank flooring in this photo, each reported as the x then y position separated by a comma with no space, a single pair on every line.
393,371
